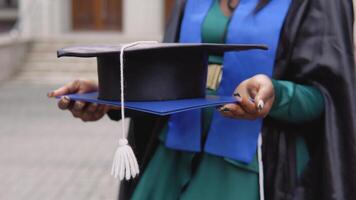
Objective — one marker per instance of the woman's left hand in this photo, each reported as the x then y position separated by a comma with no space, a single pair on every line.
255,96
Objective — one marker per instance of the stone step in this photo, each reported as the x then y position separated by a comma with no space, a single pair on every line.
60,67
43,67
55,81
63,61
53,46
46,48
53,77
49,57
41,74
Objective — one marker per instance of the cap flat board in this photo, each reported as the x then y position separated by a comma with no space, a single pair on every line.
97,50
159,107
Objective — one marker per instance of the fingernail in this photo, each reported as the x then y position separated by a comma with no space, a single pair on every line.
236,94
50,94
260,105
224,109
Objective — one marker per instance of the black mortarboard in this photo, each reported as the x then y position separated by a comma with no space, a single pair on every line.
158,78
153,72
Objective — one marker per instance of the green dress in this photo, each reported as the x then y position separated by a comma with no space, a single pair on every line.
172,174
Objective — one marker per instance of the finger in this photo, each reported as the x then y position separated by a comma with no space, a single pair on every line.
225,112
76,114
84,116
265,107
248,106
78,109
239,113
230,111
101,111
264,95
245,89
97,116
114,107
70,88
64,103
91,108
79,106
87,117
102,108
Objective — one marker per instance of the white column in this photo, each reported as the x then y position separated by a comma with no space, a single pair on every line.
59,17
44,18
47,15
65,15
143,19
30,15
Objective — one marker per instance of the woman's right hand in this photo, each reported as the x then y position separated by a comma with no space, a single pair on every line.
79,109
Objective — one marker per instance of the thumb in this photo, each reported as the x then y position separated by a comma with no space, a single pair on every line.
59,92
264,94
70,88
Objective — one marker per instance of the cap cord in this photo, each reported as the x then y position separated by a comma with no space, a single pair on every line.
125,163
260,167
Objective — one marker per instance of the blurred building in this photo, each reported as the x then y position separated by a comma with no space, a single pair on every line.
32,30
48,154
8,14
128,18
50,18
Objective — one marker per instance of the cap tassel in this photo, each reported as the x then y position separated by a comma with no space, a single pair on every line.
125,163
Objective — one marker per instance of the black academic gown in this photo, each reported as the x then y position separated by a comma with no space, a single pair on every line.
316,48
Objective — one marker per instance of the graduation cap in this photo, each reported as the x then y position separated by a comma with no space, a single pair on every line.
159,78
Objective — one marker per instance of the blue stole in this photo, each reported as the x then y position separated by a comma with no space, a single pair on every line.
230,138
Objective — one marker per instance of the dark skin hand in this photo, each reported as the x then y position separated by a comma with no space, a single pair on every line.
255,96
84,111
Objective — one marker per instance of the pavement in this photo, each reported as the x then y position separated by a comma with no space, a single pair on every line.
47,154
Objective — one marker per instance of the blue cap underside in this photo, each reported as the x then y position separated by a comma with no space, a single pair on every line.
160,107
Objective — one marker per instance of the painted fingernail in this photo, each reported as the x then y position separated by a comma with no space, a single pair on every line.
236,94
260,105
224,109
50,94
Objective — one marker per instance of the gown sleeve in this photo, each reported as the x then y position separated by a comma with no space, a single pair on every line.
296,103
316,48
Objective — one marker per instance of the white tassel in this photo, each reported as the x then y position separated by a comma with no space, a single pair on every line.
125,163
260,167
